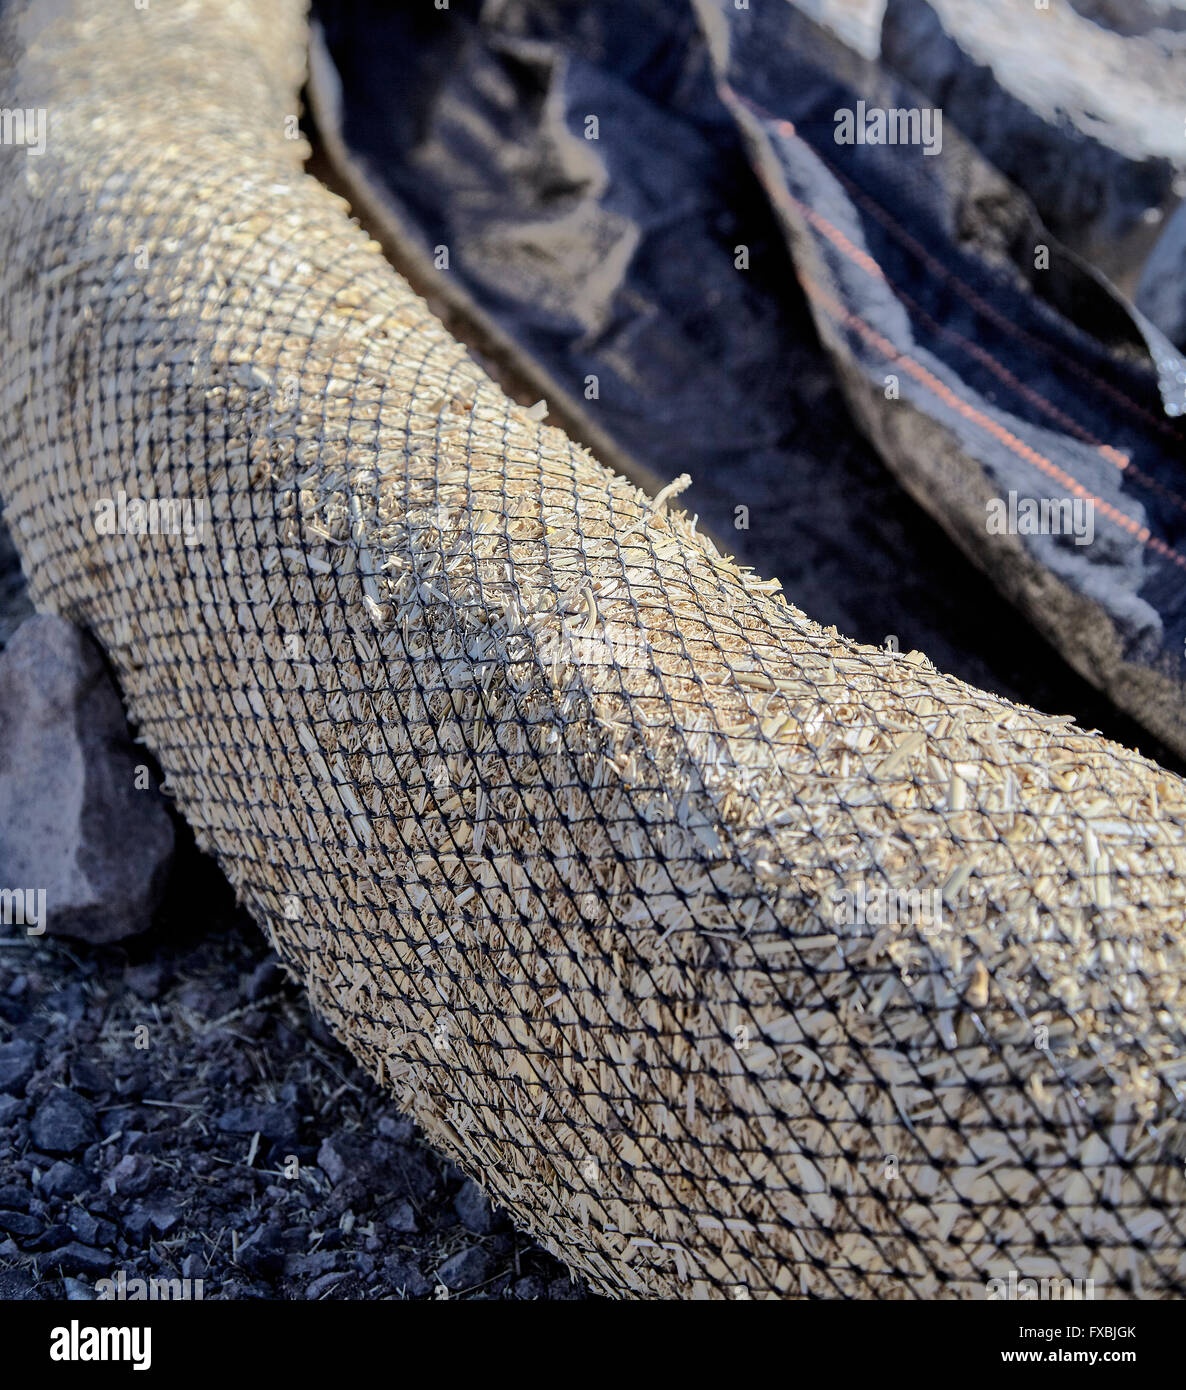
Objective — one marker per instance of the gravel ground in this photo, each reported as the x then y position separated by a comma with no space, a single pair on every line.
151,1096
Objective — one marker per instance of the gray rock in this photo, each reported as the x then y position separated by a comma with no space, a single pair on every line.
18,1223
80,1259
279,1124
63,1180
1087,122
333,1161
90,1230
131,1176
79,1291
465,1269
403,1219
1161,293
17,1062
11,1109
146,981
473,1207
265,979
76,835
63,1123
323,1284
403,1277
396,1128
314,1263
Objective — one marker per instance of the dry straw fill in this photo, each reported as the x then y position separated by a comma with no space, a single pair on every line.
733,958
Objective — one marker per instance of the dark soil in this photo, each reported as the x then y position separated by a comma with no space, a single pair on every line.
171,1108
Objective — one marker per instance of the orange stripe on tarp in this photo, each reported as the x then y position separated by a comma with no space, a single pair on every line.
840,314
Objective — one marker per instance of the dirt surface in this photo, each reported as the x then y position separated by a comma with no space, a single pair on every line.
172,1109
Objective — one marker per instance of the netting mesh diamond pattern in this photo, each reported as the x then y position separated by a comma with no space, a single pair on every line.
733,958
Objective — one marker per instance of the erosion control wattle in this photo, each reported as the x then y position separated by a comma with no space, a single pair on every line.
731,957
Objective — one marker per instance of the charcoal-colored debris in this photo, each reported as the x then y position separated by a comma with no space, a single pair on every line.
147,979
396,1128
63,1180
17,1061
17,1223
64,1123
77,1258
86,1076
17,1284
473,1207
401,1276
278,1124
402,1218
131,1176
168,1189
324,1284
90,851
262,1252
91,1230
335,1160
465,1269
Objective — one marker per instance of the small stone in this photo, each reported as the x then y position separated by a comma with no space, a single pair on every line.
19,1223
131,1176
164,1217
17,1063
396,1128
265,979
562,1289
404,1278
465,1269
473,1207
86,1076
323,1284
146,981
78,1291
333,1159
278,1124
64,1123
80,1259
529,1287
63,1180
11,1110
403,1219
97,847
90,1230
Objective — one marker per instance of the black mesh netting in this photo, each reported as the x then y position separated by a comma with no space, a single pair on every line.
732,957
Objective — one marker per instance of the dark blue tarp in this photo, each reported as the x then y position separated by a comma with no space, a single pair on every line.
649,205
